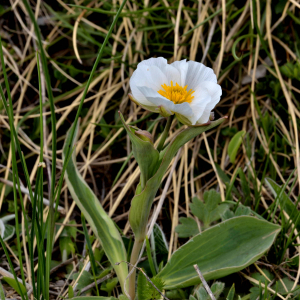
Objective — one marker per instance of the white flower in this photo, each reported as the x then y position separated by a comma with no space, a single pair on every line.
187,89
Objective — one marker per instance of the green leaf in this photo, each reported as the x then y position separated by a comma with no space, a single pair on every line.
149,255
101,224
245,186
9,232
226,179
176,294
159,246
104,273
109,285
104,130
243,211
235,144
69,231
93,298
255,293
8,188
2,293
217,288
231,293
187,228
67,247
291,70
12,282
144,152
70,292
145,290
123,297
210,211
240,211
279,7
219,251
259,277
158,282
285,202
142,202
141,286
85,279
228,214
289,285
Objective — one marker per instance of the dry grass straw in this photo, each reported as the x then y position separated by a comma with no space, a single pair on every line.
110,82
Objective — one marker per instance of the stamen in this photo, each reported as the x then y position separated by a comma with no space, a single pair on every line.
177,93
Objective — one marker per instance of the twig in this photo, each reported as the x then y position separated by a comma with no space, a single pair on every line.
62,264
148,279
209,292
93,284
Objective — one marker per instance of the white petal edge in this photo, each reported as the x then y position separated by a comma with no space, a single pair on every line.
198,73
199,103
159,62
144,106
149,76
215,92
156,99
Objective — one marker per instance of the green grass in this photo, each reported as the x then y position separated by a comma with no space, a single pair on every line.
40,104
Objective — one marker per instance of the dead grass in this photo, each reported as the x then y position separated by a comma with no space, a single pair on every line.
102,150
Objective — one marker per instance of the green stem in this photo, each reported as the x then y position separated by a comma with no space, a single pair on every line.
139,241
133,260
165,134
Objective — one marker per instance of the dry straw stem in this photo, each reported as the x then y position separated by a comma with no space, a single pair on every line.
211,295
210,43
263,286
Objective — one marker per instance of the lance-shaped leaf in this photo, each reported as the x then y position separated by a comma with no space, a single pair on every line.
144,152
219,251
235,144
141,203
101,223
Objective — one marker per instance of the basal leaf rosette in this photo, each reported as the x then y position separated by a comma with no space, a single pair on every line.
187,89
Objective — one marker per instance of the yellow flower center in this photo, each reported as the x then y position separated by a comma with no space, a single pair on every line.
177,93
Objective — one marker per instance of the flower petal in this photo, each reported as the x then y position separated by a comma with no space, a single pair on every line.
172,74
156,99
199,103
198,73
215,92
182,67
144,106
149,76
159,62
184,109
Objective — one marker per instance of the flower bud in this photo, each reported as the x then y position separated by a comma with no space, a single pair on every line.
144,135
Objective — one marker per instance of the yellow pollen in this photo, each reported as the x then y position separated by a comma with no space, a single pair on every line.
176,93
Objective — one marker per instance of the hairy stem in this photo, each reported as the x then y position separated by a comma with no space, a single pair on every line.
133,260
